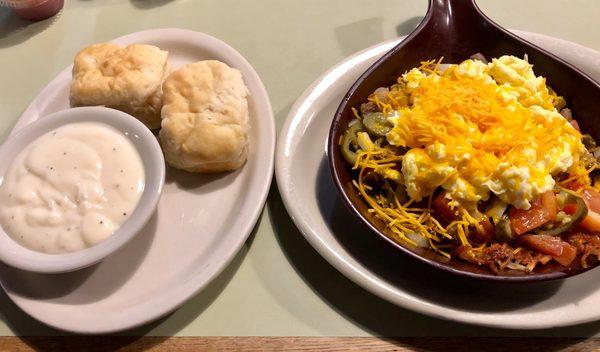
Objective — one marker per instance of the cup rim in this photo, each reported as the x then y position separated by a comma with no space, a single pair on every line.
22,4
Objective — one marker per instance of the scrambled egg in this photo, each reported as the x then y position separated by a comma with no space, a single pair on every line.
476,129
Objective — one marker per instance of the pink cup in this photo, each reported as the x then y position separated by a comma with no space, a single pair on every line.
34,10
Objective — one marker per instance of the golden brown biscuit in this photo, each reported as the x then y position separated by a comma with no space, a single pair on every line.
125,78
205,118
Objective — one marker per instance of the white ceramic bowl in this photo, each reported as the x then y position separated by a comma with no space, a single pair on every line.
16,255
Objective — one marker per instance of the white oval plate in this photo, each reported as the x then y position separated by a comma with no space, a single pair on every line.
310,197
201,222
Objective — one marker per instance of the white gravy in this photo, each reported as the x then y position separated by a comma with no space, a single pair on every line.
71,188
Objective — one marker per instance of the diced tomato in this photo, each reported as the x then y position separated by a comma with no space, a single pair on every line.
568,254
442,209
544,244
591,198
573,185
483,234
575,125
549,202
570,208
527,220
591,221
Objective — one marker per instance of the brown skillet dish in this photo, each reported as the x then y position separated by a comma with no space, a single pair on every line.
550,232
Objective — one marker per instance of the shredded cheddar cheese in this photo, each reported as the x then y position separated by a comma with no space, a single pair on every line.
473,136
475,130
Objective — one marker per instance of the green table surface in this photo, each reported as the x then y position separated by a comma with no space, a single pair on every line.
277,285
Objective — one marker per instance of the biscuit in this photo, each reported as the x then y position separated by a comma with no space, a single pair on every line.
205,118
124,78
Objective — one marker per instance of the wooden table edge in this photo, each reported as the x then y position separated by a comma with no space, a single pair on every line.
252,343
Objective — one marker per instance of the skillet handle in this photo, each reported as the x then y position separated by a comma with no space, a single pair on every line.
450,9
454,20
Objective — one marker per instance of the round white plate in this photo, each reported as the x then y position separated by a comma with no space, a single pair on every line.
310,197
201,221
